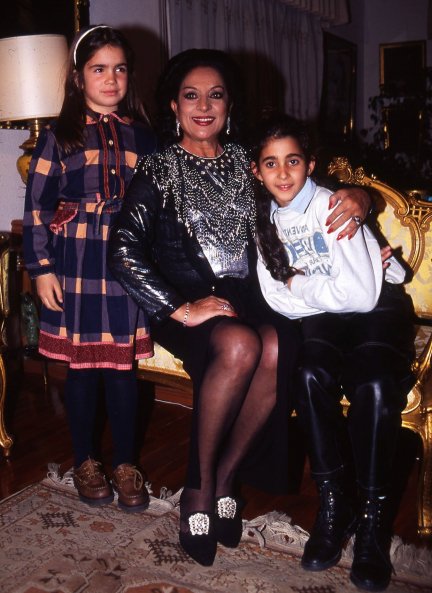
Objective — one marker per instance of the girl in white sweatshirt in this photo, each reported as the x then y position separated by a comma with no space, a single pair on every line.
357,340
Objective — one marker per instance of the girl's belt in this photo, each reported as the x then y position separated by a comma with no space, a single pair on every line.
66,212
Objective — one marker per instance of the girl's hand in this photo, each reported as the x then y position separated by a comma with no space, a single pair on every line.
386,253
204,309
352,202
49,291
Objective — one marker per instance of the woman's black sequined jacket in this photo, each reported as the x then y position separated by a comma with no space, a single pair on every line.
158,262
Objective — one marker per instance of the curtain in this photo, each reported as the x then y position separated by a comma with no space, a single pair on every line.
334,12
278,46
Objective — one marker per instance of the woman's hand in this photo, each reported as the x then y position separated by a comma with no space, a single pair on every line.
202,310
351,202
49,291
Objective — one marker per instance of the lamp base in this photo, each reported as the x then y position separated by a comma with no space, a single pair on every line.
23,162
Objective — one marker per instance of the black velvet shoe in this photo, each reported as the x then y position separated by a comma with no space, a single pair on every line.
334,524
371,568
228,523
199,542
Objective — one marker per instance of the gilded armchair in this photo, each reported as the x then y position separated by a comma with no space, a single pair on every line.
405,222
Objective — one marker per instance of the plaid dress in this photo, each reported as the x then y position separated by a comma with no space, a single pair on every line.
71,203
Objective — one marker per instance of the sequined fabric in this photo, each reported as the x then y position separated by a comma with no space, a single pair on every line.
214,199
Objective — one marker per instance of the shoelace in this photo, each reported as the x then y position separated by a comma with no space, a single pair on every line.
131,472
370,523
91,471
327,511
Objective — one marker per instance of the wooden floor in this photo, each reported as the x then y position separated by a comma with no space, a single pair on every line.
36,420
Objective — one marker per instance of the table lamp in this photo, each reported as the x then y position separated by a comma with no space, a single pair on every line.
31,85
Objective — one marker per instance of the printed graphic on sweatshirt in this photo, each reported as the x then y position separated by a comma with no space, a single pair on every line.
307,250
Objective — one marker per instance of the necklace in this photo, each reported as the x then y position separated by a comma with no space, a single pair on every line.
219,152
213,197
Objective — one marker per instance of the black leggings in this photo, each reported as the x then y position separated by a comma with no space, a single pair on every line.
367,357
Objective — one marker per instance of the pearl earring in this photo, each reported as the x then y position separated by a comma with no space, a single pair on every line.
228,125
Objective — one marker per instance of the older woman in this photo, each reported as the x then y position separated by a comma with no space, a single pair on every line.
183,248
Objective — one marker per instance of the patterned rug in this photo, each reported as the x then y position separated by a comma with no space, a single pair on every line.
50,542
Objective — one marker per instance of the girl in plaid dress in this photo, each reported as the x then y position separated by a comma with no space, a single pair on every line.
77,179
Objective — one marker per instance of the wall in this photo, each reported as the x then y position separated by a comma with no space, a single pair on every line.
12,189
386,21
141,23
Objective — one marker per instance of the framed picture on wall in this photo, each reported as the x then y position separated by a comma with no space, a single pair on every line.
339,89
402,68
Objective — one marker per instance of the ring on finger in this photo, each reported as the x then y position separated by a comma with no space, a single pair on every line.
357,220
226,307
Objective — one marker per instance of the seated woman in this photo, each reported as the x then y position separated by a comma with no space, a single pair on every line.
183,249
357,335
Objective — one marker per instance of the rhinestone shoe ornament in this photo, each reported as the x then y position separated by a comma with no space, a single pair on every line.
199,524
199,541
226,507
228,521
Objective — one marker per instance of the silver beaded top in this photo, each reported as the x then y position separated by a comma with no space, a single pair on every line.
214,199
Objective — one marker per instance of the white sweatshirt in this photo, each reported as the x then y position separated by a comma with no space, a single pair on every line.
340,276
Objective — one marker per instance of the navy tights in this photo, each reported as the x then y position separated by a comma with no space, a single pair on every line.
121,398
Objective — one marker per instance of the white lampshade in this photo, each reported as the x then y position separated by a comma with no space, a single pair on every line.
32,71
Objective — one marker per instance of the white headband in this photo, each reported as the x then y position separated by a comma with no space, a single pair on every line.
82,37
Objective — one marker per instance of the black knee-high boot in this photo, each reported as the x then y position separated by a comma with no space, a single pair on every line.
320,414
373,425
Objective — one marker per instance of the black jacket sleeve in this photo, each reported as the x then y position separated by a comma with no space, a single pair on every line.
131,252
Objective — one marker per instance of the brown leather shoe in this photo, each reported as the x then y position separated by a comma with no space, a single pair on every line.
128,481
92,485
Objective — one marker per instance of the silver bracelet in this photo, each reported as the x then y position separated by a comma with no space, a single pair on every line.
186,315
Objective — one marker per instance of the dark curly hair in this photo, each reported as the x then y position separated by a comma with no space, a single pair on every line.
273,127
175,72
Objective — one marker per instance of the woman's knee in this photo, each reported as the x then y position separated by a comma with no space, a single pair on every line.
236,345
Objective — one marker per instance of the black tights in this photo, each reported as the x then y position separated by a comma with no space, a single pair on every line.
234,398
121,398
